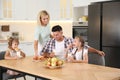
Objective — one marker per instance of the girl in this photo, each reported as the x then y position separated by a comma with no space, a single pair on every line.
79,53
42,32
13,52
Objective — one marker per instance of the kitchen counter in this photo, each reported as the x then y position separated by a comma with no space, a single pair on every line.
26,46
3,41
21,42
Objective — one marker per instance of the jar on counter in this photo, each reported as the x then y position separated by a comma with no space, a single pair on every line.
84,18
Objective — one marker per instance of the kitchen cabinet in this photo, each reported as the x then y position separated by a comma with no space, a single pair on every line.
0,10
6,9
26,47
21,9
81,3
3,46
80,8
60,9
79,12
29,9
13,9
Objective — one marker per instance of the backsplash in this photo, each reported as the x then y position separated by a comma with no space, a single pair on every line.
26,29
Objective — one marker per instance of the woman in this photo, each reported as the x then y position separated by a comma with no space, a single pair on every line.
42,31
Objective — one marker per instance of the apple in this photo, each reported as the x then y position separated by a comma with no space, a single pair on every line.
54,60
48,64
60,62
53,64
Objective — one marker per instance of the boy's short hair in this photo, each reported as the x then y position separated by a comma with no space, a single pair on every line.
56,28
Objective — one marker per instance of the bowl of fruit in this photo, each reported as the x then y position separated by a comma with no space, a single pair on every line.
53,63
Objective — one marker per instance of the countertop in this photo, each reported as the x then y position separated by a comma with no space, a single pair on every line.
6,42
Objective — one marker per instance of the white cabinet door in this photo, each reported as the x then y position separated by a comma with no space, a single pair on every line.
3,47
54,9
6,9
34,7
28,9
1,9
60,9
78,3
21,9
27,48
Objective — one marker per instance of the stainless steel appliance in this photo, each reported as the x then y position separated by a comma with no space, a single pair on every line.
80,29
104,30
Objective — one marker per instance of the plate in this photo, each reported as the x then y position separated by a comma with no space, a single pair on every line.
54,67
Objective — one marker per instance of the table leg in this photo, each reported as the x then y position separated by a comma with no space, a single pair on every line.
1,72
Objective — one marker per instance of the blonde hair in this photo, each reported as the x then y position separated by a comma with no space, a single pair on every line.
80,40
40,14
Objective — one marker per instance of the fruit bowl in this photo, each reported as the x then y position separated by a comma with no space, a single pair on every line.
53,63
54,67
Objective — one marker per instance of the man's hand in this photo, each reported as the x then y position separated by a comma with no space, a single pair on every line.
101,53
93,50
52,54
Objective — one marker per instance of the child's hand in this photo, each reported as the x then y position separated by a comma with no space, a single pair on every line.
16,57
19,54
69,46
70,59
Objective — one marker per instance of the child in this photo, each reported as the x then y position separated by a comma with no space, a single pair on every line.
42,32
79,52
13,52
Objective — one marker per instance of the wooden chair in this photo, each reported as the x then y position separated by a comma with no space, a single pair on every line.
7,76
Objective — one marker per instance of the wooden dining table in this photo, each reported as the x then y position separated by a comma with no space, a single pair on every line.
69,71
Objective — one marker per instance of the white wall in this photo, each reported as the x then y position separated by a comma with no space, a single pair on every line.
66,25
26,28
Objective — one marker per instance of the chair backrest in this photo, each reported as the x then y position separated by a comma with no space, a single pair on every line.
96,59
2,54
5,75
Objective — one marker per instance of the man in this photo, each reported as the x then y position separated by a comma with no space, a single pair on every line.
57,45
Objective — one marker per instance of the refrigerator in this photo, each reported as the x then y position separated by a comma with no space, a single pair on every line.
104,30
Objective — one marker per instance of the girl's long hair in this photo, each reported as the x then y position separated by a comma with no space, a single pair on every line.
81,40
11,40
